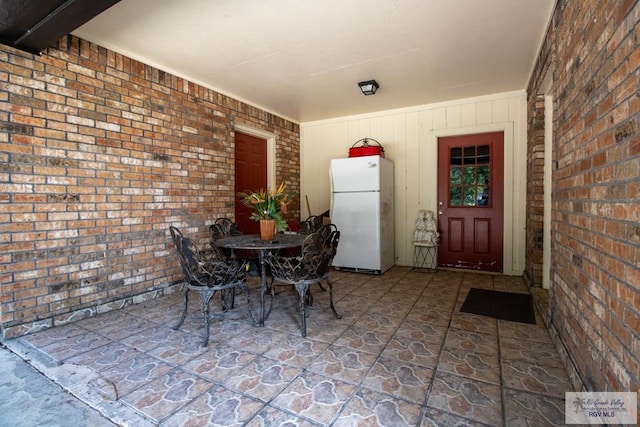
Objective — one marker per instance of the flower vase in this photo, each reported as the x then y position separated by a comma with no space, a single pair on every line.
267,229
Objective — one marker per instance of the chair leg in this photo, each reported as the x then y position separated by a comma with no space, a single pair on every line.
333,308
309,298
227,299
302,289
184,310
271,287
205,298
244,287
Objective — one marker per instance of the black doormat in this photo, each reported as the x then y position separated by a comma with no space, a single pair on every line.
501,305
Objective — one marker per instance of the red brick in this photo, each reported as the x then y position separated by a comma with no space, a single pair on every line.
596,144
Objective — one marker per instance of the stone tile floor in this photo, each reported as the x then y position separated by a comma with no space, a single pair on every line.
402,354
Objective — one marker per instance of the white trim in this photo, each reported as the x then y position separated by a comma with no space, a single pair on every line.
418,108
271,149
545,88
548,170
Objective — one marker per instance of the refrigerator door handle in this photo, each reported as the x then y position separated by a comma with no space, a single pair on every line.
331,190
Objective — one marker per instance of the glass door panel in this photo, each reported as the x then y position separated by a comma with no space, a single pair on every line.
469,178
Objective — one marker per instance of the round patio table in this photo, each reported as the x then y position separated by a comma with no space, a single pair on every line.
255,243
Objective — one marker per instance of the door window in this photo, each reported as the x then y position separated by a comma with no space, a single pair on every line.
469,176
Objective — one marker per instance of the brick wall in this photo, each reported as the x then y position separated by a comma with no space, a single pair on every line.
593,49
535,191
99,154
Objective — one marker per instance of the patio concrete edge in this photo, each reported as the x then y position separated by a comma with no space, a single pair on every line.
83,383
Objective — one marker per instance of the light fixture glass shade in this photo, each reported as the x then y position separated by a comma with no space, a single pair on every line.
369,87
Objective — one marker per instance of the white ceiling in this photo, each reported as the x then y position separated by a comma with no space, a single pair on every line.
302,59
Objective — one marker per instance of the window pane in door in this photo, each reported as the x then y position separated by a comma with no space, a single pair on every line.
483,196
483,175
455,196
469,155
483,154
469,176
470,196
456,176
455,156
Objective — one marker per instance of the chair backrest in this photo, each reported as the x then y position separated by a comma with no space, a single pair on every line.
310,225
178,238
224,227
192,264
329,249
326,230
175,234
319,249
313,262
330,238
311,253
207,272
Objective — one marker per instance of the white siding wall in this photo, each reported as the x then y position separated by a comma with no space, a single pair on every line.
410,137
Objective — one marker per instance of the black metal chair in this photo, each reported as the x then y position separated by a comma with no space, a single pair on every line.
310,225
207,275
224,227
311,266
330,237
326,231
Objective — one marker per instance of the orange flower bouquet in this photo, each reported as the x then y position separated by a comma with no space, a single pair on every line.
268,204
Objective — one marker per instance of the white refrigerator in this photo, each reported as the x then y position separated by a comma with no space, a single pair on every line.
362,209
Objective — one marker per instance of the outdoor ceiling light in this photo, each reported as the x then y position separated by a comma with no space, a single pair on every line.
369,87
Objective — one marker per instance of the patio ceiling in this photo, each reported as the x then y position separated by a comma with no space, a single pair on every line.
302,60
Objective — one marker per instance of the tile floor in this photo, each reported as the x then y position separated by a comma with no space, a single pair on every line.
402,354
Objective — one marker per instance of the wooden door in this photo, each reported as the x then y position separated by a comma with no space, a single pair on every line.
470,201
251,174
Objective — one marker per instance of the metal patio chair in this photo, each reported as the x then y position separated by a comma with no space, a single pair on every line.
311,266
207,275
310,225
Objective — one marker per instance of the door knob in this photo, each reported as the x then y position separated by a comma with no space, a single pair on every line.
440,212
440,203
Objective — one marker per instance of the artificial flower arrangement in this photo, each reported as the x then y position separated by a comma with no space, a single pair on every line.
268,204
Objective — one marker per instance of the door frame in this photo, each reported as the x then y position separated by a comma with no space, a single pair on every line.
514,187
545,88
271,149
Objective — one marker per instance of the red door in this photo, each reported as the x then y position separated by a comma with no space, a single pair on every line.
470,201
251,174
